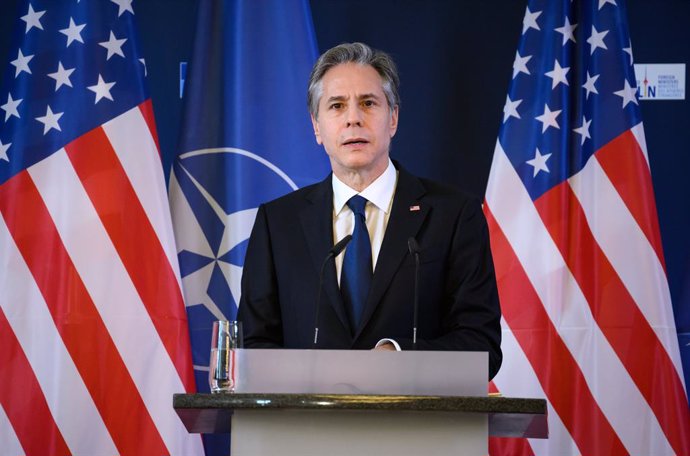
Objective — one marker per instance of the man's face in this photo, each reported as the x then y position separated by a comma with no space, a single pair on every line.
355,124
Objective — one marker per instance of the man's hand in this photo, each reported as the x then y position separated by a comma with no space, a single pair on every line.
387,346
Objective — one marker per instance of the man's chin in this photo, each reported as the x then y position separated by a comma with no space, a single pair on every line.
360,164
356,163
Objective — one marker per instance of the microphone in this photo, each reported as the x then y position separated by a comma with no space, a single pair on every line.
334,252
413,247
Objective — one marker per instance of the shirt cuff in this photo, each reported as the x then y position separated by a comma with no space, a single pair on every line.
389,341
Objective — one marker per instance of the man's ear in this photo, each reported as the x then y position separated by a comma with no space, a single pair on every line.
317,134
394,121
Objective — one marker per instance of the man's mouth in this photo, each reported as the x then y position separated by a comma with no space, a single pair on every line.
355,141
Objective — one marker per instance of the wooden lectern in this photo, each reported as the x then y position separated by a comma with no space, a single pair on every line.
333,402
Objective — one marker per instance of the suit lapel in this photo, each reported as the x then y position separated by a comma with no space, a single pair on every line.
317,223
407,215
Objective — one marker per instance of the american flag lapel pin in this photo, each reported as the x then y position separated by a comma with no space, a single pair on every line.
414,208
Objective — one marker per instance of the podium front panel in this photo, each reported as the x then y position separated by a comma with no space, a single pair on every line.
429,373
362,433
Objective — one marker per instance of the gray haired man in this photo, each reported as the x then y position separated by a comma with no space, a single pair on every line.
366,299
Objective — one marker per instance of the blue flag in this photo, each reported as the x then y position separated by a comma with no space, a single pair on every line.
245,139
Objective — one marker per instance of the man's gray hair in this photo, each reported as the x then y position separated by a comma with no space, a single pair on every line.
358,53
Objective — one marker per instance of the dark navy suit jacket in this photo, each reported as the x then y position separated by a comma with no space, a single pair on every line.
292,235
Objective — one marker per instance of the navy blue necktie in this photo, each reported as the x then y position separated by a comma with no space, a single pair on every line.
355,278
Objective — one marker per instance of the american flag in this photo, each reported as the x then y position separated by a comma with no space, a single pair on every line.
588,322
93,332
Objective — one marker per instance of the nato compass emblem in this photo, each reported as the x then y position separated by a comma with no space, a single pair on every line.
215,195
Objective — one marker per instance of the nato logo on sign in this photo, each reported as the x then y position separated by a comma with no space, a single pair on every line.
216,194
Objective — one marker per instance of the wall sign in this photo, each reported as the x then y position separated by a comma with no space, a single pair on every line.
660,81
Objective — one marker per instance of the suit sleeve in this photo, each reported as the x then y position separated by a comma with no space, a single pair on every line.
259,310
470,312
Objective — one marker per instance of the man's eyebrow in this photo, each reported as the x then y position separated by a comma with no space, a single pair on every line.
336,98
364,96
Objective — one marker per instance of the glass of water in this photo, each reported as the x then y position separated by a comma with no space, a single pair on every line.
225,339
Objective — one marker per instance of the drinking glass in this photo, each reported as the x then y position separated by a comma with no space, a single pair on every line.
225,339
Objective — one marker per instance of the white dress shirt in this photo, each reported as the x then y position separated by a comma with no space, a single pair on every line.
379,195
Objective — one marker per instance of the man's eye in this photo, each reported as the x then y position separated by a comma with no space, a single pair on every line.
336,106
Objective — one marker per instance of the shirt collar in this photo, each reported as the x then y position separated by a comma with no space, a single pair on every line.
380,192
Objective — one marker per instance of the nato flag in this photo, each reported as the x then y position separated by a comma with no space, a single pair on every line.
245,139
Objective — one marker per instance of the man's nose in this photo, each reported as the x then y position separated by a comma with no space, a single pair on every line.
354,117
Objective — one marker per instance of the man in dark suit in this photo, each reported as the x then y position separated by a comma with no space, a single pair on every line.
367,296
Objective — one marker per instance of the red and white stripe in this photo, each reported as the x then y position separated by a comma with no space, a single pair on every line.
585,297
7,435
93,317
517,379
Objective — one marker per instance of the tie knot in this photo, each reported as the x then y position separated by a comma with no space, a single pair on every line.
356,204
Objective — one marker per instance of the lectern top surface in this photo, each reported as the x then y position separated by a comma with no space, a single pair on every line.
508,417
469,404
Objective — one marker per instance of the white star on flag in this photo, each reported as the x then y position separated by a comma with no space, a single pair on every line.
33,19
583,130
510,109
114,46
628,94
124,5
520,64
21,63
548,118
530,20
73,32
10,107
589,85
604,2
597,40
143,62
61,76
629,51
558,75
102,89
50,120
567,30
539,162
3,151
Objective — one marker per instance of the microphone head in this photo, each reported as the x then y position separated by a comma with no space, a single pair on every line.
340,246
412,245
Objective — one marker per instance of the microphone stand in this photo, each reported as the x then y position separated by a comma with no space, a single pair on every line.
413,247
334,252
